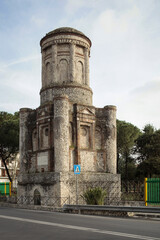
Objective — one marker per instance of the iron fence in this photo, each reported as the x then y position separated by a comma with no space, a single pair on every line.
152,191
116,194
132,191
43,201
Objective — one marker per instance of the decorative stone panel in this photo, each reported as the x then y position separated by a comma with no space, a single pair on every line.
85,137
87,161
42,161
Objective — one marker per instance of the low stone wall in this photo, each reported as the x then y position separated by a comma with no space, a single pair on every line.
31,207
132,203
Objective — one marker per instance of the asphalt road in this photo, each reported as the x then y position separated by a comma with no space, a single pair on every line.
28,224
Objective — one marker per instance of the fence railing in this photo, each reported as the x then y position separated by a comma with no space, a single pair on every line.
129,191
132,190
43,201
152,191
5,188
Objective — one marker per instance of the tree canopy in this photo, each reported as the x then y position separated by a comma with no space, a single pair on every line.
138,152
148,149
127,133
9,137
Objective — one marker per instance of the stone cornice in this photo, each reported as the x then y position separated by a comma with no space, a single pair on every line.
66,86
64,40
110,107
65,31
23,110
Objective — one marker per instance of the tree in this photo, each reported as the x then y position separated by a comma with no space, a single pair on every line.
148,150
9,138
127,133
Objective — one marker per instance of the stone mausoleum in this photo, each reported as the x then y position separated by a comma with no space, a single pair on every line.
66,129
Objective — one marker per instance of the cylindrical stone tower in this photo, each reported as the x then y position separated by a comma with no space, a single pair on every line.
23,136
110,143
65,66
61,133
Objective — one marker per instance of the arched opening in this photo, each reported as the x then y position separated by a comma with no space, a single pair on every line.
71,134
79,74
48,73
84,137
63,71
34,140
37,197
98,138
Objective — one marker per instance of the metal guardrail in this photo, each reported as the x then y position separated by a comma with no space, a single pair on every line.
96,208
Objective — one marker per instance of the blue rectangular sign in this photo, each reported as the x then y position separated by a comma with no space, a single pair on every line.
77,169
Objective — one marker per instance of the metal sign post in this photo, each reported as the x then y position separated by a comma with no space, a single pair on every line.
76,189
77,170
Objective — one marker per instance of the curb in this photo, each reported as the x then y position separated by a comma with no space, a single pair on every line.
152,216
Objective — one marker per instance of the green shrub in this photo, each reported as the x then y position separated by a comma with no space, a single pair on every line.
95,196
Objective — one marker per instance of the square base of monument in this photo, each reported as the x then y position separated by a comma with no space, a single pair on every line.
57,189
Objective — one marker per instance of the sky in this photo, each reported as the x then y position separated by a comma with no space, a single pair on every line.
125,52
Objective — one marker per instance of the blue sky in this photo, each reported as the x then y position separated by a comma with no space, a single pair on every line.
125,53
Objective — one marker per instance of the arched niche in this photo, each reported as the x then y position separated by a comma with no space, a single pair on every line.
48,73
79,72
44,136
37,197
85,137
98,138
34,140
63,71
71,134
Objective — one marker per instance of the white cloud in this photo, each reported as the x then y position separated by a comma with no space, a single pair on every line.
141,105
20,84
73,6
21,60
38,21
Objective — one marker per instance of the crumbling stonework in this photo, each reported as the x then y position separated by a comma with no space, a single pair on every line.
66,129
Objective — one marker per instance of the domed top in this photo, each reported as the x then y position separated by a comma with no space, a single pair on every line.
65,30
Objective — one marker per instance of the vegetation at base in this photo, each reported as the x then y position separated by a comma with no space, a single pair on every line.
95,196
9,138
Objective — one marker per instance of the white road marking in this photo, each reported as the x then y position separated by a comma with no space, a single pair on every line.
80,228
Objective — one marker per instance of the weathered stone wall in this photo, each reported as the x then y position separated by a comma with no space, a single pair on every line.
73,184
66,129
75,93
47,184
